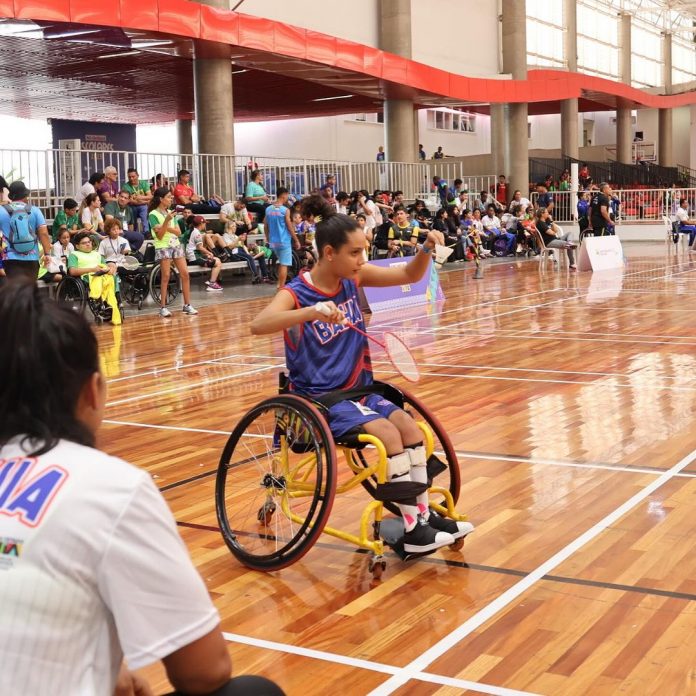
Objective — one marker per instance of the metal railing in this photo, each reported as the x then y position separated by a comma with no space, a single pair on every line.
634,205
53,175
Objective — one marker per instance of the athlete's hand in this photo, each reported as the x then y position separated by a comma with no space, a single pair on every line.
435,237
329,312
130,684
296,243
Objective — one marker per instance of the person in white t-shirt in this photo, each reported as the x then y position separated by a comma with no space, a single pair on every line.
114,246
92,568
686,224
197,254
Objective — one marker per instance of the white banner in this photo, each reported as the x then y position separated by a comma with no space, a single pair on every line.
600,254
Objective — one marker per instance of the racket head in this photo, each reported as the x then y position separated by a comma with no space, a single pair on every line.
130,263
401,357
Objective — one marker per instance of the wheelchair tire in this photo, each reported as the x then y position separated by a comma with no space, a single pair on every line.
73,292
279,459
173,287
443,450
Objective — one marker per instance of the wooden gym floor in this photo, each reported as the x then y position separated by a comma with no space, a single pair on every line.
570,401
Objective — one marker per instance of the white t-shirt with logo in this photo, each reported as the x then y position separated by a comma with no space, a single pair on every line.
92,568
682,215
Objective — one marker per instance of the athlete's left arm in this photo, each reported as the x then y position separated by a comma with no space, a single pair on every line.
411,272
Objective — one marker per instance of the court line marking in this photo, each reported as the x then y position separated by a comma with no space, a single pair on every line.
556,332
517,459
506,598
182,387
370,665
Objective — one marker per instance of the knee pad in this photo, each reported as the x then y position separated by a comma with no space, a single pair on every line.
398,465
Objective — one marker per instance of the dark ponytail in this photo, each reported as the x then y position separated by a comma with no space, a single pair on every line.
47,352
332,228
157,197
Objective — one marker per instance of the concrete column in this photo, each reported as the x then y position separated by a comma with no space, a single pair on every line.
400,124
499,149
212,85
569,107
514,37
184,135
401,138
624,129
665,146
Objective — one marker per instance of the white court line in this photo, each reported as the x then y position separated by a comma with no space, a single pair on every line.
532,461
157,371
184,387
370,665
509,596
554,332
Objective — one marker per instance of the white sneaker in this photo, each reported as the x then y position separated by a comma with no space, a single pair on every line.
188,309
164,312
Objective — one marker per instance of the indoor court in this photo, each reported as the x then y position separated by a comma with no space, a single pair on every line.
568,398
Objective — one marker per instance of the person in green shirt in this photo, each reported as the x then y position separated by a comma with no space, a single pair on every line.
168,249
257,200
67,217
140,197
122,211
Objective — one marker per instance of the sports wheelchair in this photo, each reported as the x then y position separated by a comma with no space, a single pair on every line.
146,280
278,476
74,291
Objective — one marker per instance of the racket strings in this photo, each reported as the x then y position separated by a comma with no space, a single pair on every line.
401,357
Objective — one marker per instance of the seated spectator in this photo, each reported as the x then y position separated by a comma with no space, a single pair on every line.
120,210
140,196
62,248
519,199
454,234
4,191
476,229
256,252
237,213
87,263
90,186
185,195
330,183
128,592
198,255
158,181
493,227
255,196
545,199
361,220
342,202
91,217
403,232
108,188
66,218
237,252
114,246
686,224
553,236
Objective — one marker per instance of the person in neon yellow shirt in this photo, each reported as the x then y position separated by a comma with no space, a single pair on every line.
165,233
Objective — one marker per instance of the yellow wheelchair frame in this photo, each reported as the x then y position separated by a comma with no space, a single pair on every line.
286,482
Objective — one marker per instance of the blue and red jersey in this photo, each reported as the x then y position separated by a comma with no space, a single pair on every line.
321,356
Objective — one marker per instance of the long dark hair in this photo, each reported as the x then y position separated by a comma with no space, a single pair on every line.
333,228
50,352
157,197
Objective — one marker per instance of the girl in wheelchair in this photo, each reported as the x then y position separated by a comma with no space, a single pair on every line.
323,355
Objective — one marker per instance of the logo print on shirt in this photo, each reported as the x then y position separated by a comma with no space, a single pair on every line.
326,332
24,497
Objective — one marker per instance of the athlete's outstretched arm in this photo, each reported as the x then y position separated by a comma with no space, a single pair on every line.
411,272
282,313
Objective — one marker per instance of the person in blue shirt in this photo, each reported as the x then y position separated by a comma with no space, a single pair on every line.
22,260
280,233
324,355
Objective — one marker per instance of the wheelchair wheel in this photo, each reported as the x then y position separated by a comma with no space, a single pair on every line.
73,292
173,287
276,483
450,477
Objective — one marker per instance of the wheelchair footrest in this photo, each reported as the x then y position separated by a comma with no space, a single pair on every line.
391,529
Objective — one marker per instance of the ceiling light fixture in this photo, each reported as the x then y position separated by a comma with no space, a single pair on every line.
343,96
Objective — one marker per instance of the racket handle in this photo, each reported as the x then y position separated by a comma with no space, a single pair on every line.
323,308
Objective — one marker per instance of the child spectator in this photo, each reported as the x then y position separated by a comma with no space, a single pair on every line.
236,251
114,246
67,218
62,248
198,255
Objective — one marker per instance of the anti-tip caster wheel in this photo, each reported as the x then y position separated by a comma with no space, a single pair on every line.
458,544
377,567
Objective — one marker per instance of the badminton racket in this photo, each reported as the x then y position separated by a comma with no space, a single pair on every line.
130,263
395,349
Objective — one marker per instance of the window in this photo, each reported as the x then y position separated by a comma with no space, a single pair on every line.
451,120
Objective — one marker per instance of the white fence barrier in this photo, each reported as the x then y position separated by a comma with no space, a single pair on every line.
53,175
634,205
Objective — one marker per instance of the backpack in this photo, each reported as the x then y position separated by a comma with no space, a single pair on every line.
22,238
